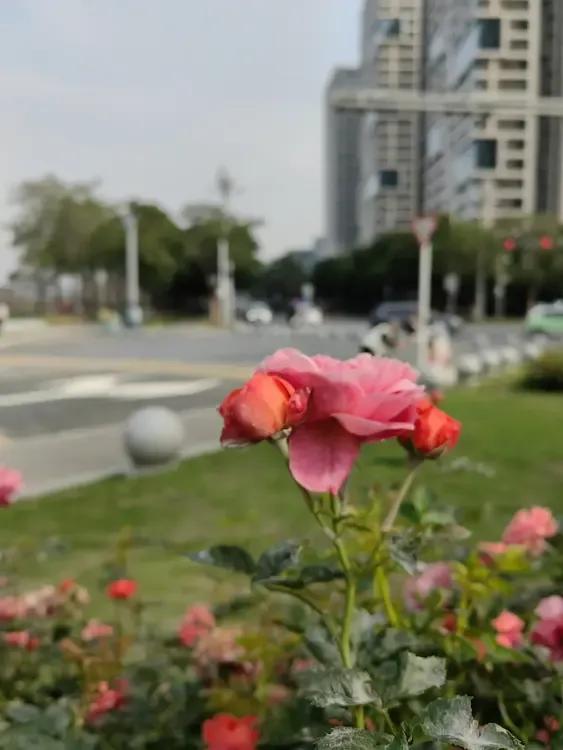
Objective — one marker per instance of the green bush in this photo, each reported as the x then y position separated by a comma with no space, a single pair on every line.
545,373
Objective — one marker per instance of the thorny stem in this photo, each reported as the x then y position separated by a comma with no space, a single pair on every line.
345,640
401,495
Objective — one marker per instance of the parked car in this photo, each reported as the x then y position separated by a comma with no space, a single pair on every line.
259,313
546,319
407,311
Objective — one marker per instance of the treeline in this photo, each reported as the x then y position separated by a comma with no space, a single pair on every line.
68,229
504,269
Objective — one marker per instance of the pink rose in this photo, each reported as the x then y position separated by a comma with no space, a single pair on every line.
11,608
509,629
96,630
197,622
361,400
530,528
106,699
548,632
550,608
10,483
418,588
219,646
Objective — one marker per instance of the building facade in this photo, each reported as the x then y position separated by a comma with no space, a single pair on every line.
484,168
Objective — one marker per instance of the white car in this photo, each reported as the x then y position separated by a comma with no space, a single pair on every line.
259,313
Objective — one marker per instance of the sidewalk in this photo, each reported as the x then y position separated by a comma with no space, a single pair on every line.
66,459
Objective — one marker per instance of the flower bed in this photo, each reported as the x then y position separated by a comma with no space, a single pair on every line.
395,632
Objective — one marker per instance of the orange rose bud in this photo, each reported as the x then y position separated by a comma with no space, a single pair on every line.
262,408
435,432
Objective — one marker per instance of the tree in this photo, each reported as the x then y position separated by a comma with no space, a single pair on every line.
281,281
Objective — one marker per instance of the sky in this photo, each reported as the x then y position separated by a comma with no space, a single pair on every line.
151,97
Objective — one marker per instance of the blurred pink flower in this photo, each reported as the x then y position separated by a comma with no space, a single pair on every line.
22,639
550,608
418,588
11,608
509,629
219,646
197,622
361,400
95,630
106,699
11,482
530,528
548,632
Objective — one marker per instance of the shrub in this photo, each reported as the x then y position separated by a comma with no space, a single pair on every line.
546,372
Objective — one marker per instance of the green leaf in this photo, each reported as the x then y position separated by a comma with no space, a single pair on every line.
321,645
225,556
312,574
338,687
403,549
277,559
345,738
451,721
22,713
419,673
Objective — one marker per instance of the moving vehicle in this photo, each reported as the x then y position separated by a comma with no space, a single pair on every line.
306,315
254,311
406,311
546,319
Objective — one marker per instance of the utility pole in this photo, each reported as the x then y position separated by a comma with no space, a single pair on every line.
133,310
224,289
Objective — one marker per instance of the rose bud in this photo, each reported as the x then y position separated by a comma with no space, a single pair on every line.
435,432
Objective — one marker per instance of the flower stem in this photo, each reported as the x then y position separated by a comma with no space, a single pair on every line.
280,589
401,495
384,592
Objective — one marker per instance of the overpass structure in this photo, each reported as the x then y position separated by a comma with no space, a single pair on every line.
368,99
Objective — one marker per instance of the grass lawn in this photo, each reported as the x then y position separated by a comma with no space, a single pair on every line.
246,496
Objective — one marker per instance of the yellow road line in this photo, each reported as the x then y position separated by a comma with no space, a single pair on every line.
170,367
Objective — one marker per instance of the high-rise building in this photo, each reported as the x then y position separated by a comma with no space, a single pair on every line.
342,165
485,167
388,193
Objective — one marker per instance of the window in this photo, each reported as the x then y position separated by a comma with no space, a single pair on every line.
485,153
515,164
513,64
511,124
489,33
388,178
519,44
520,25
508,85
516,144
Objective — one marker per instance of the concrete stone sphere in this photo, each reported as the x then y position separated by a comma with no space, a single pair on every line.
153,436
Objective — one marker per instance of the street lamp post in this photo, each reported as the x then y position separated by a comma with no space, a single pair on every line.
424,228
133,310
224,285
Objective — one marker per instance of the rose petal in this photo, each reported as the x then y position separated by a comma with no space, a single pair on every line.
322,455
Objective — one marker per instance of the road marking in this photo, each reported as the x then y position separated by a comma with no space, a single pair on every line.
109,387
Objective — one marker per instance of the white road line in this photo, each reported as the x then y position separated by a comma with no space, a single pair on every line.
109,387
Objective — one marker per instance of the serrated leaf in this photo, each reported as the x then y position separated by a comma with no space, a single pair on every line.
451,720
321,645
277,559
225,556
345,738
338,687
419,673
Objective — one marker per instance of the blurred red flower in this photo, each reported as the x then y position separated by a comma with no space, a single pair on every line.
123,588
226,732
